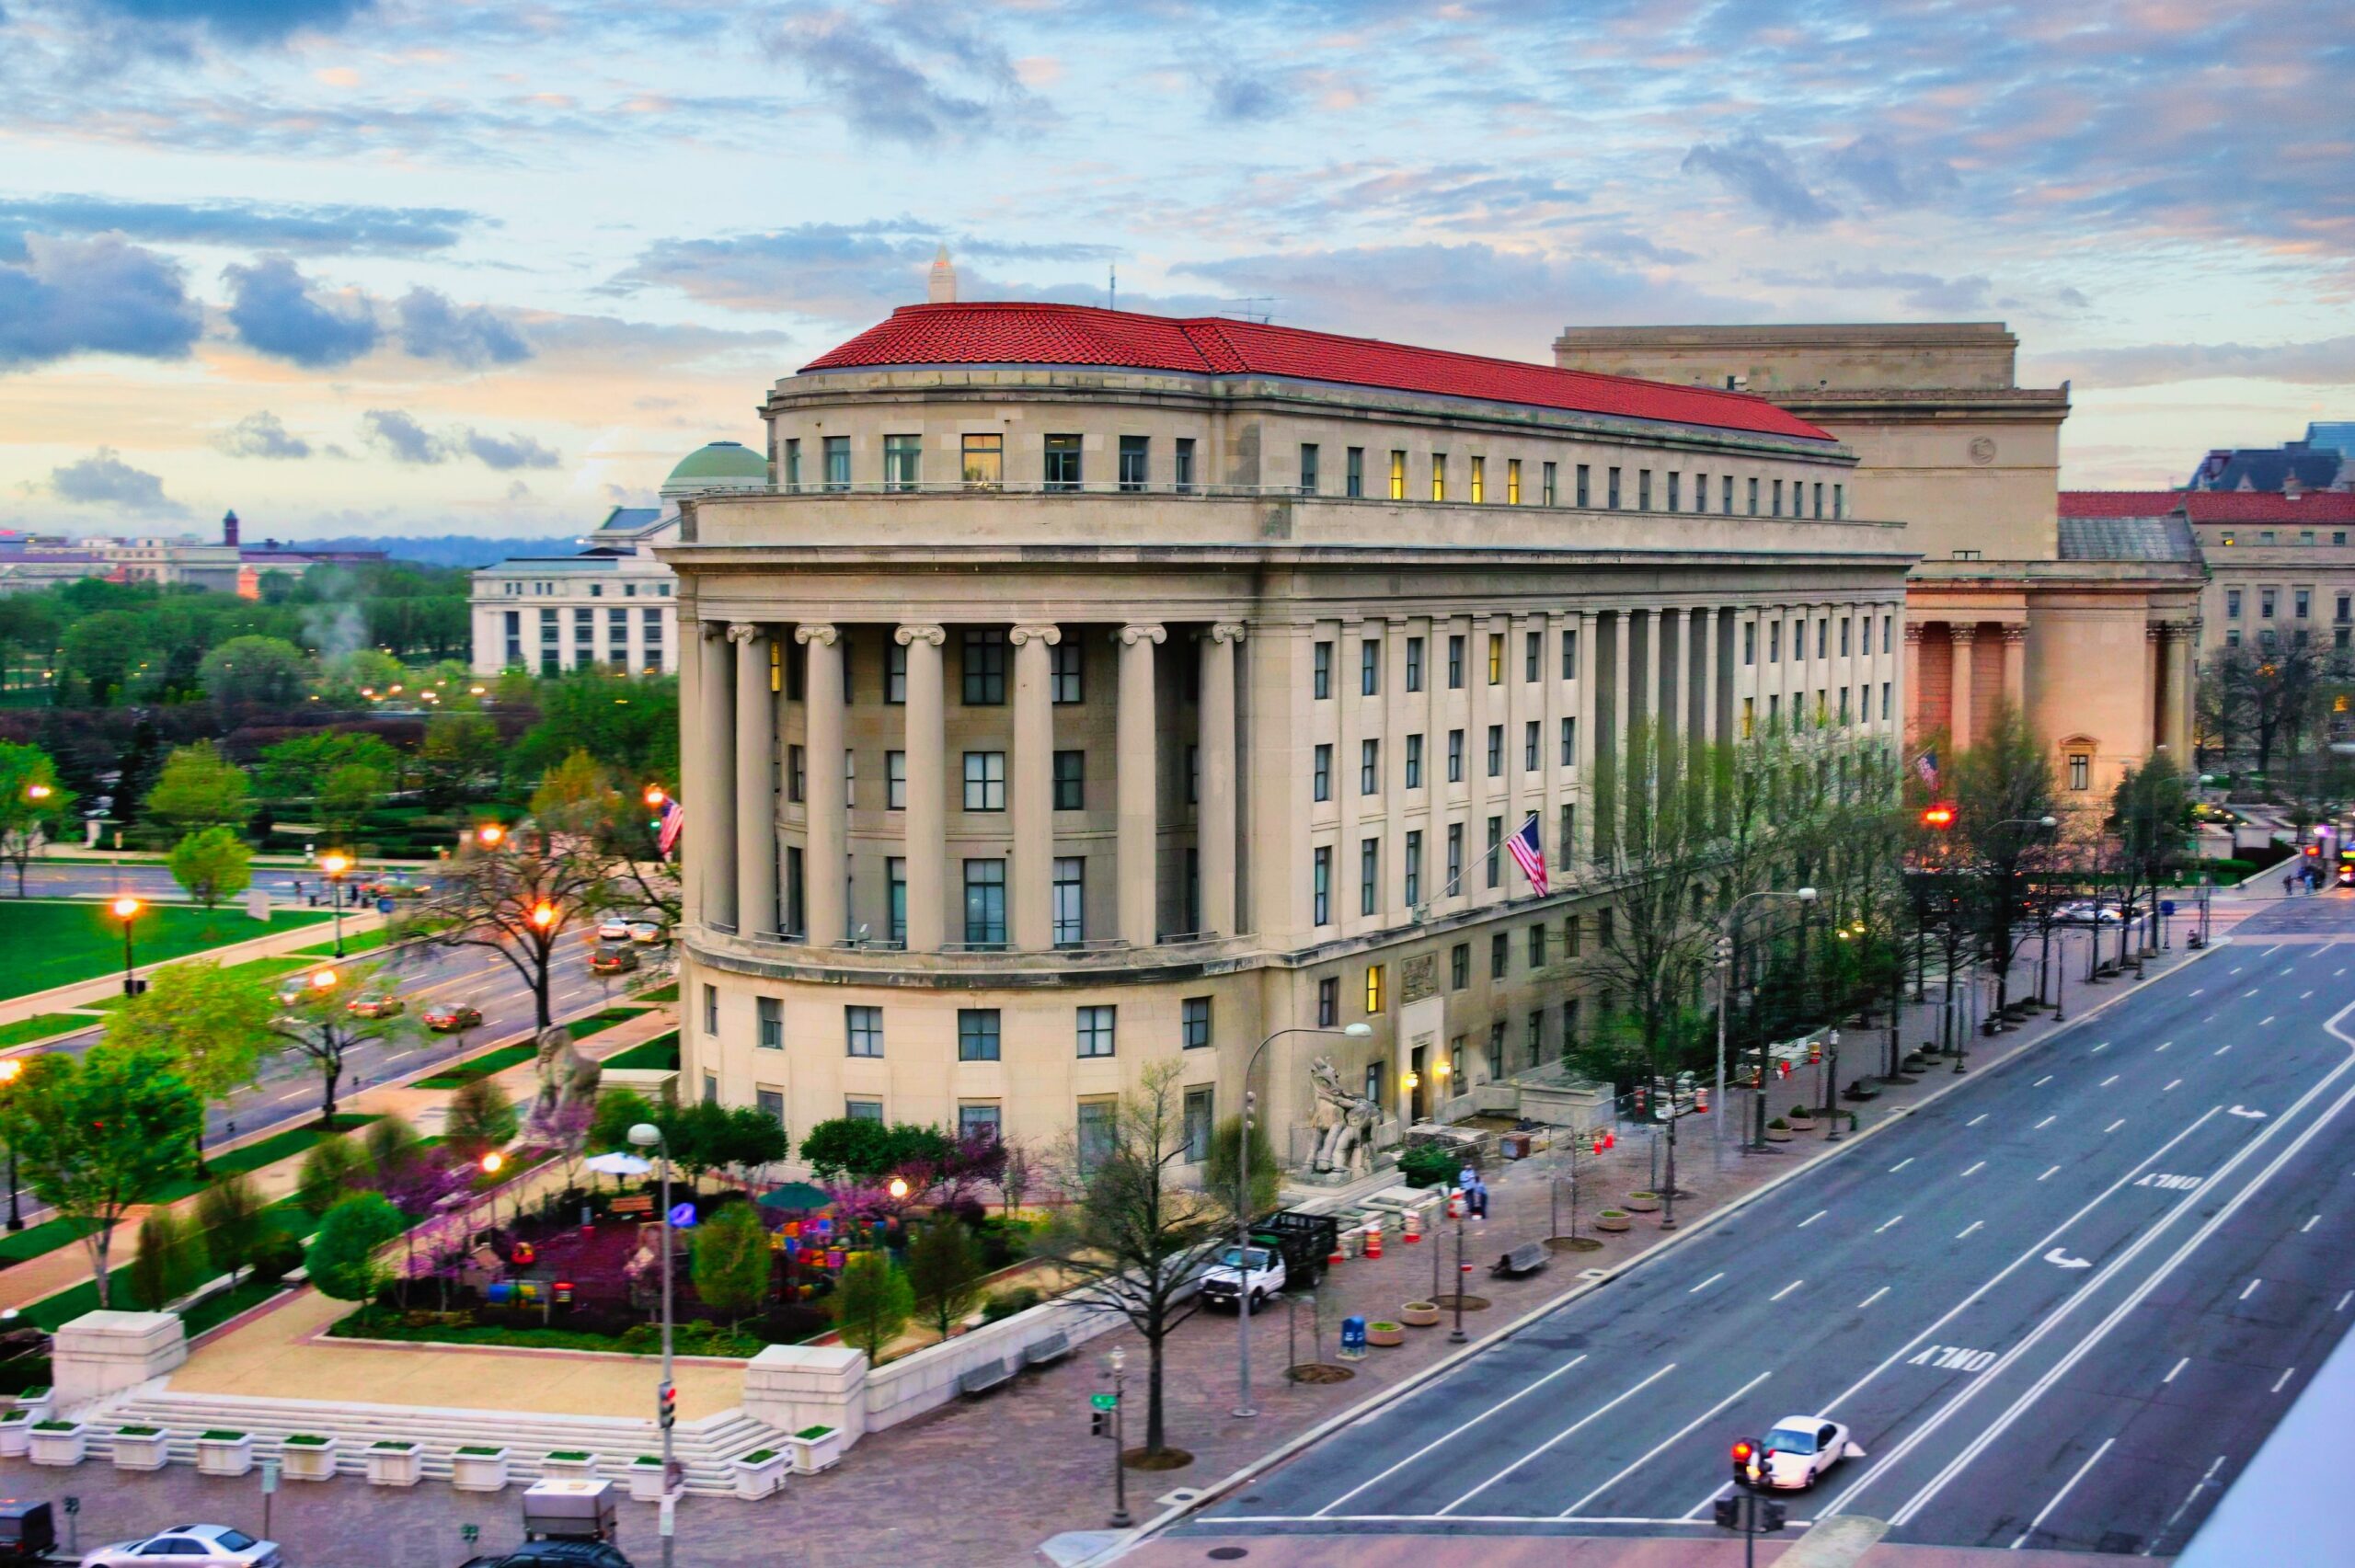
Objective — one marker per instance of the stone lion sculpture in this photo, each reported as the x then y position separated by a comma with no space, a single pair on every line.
567,1078
1344,1122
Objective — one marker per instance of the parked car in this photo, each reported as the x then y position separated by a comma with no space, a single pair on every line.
612,961
2085,912
393,885
189,1546
612,928
379,1004
647,933
1798,1452
450,1019
555,1555
27,1533
1226,1282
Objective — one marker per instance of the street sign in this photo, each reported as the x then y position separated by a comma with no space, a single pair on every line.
73,1504
269,1477
470,1533
1104,1401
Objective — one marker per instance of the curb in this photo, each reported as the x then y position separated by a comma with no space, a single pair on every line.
1437,1370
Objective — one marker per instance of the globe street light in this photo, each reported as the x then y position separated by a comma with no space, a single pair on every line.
126,909
490,835
646,1135
336,863
11,1069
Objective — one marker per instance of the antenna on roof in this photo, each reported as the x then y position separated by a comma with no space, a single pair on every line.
1115,287
1242,309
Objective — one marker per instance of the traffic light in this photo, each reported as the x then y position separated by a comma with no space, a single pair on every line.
1940,817
1728,1511
1742,1453
667,1404
1099,1423
1770,1515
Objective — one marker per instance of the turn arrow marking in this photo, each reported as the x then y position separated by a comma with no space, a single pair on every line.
2243,1110
2061,1259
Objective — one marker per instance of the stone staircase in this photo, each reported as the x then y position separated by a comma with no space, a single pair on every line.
704,1447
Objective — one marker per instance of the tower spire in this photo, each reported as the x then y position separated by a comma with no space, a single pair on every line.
940,285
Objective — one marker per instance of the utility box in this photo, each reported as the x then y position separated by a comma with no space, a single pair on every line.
569,1510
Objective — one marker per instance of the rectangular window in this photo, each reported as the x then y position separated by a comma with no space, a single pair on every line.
1754,496
1570,655
979,1121
1328,1002
1643,489
1844,638
2303,597
1069,900
1094,1127
1512,481
1397,475
1533,1035
1611,493
1321,680
770,1102
1181,471
1454,859
514,620
1495,856
1495,658
1536,946
1570,742
1459,966
1532,744
1532,655
1750,642
985,903
711,1010
1819,500
1455,663
2264,602
1321,886
1308,468
1675,491
1495,750
1438,475
1198,1123
2343,605
1066,663
895,892
1071,780
1884,700
1369,767
1194,1023
1839,500
1546,478
984,462
1479,480
1062,471
852,1110
895,781
984,781
791,464
1583,473
1778,497
902,462
1456,756
1414,762
1355,478
1322,774
2081,767
1497,1048
1414,878
1135,455
984,668
837,463
1572,934
977,1033
1369,668
1096,1031
770,1011
864,1027
895,674
1499,953
1775,642
1375,991
1414,664
1369,876
794,758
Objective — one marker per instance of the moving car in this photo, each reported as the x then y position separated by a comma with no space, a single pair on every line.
450,1019
189,1546
612,961
2085,912
1798,1451
377,1005
393,885
1226,1282
647,933
612,928
556,1554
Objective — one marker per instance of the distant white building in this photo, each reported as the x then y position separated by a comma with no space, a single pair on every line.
612,605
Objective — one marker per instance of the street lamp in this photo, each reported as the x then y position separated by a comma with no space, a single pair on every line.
542,914
1725,995
1243,1407
1117,1360
490,835
655,796
12,1068
126,909
336,865
646,1135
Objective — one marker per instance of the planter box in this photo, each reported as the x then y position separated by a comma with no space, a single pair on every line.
1388,1335
1611,1220
59,1443
645,1480
39,1401
483,1471
393,1464
1643,1203
16,1434
756,1477
816,1448
228,1454
557,1468
1418,1315
140,1450
308,1462
1773,1135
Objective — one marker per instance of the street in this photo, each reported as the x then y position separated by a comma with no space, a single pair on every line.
2058,1307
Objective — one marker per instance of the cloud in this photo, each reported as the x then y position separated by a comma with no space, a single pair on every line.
2328,361
97,295
239,22
406,442
434,328
511,452
1888,176
261,434
103,479
831,271
254,225
401,436
1242,97
275,313
1762,173
922,84
1922,290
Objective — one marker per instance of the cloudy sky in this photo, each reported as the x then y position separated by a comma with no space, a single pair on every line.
420,265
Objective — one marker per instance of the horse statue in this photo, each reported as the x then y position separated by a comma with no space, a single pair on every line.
1344,1123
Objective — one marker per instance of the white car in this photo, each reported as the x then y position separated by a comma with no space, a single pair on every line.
647,933
612,929
1798,1451
189,1546
2085,914
1226,1282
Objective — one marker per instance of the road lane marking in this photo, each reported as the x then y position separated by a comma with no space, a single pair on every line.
2099,1049
2264,1021
1886,1224
2108,1081
1706,1284
2049,1174
2310,1225
2272,950
2197,990
2041,1082
2251,1290
1813,1218
2045,1123
2304,994
2176,1368
2285,1378
1787,1289
1976,1169
2115,1124
2343,1300
1449,1437
1977,1119
1969,1229
1873,1298
1672,1441
2221,1050
1591,1415
2247,994
2065,1490
2163,1045
1901,1164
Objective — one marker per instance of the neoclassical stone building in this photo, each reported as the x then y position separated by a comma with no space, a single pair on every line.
1091,688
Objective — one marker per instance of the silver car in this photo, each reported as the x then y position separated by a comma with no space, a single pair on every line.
189,1546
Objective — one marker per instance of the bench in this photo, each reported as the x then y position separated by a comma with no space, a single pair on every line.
1520,1262
1043,1352
635,1202
981,1380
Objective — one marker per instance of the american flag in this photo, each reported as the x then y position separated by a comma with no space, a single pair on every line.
1530,855
1927,764
666,833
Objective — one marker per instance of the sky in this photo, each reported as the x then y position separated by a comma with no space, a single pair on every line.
405,266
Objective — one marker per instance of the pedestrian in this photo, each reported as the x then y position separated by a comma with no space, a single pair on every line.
2288,885
1477,1196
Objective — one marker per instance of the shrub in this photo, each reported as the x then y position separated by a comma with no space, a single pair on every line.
170,1261
229,1214
328,1173
872,1302
1428,1165
481,1119
275,1258
343,1260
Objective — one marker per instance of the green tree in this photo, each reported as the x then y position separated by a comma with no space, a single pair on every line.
460,753
266,670
315,1021
945,1272
103,651
2150,816
751,1139
98,1134
210,1021
211,864
229,1216
32,804
730,1265
329,1170
343,1257
618,1110
516,901
2003,793
1223,1173
298,767
481,1119
198,788
848,1146
872,1302
351,793
630,723
169,1262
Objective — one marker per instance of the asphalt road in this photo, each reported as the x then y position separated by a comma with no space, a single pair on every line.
2060,1307
100,879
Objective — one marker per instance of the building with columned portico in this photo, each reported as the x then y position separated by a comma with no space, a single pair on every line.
1088,689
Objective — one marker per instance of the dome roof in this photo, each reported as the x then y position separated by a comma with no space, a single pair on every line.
721,466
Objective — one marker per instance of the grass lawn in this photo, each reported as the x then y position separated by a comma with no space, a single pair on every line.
45,1237
597,1023
465,1072
254,1156
660,1053
660,993
42,1026
58,942
353,942
252,968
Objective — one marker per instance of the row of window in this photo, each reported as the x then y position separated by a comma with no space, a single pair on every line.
2306,536
585,641
1855,632
979,1030
543,590
2301,599
984,778
1370,757
2266,637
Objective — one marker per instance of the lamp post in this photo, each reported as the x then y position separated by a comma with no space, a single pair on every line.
1117,1360
1462,1204
336,865
1725,996
126,909
11,1069
646,1135
1243,1407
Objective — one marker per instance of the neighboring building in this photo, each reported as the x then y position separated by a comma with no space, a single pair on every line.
2339,436
2291,467
2004,606
30,562
1095,690
2281,566
610,605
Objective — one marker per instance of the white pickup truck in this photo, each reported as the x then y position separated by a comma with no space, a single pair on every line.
1226,1282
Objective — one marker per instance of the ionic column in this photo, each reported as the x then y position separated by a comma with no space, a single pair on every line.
715,780
1030,788
2015,669
825,866
2154,662
1217,816
1588,681
1958,700
1704,671
1907,687
755,786
1136,735
2178,728
1623,691
926,840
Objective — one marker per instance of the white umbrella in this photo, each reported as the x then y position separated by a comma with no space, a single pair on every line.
618,1164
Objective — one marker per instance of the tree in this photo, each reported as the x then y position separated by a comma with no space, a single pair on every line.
211,1022
32,804
169,1262
849,1146
330,1170
211,864
945,1272
348,796
342,1259
730,1265
2260,697
481,1119
1223,1174
751,1139
271,671
618,1110
460,752
1132,1237
314,1020
97,1136
872,1302
2002,794
198,788
229,1215
297,768
516,900
2151,818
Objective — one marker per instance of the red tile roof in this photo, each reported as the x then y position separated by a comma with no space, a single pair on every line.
2120,503
1023,334
2215,506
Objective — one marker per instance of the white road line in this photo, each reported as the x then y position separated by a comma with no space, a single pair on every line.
1438,1442
2099,1049
1813,1218
2343,1300
2041,1082
2197,990
1969,1229
2210,1019
1667,1443
2108,1081
1977,1119
2045,1123
2176,1368
2264,1021
2250,992
1787,1289
2221,1050
2162,1046
1873,1298
2272,950
1594,1415
2049,1174
2115,1124
2171,1083
1976,1169
1901,1164
2064,1491
2285,1378
2251,1290
1705,1284
1886,1224
2304,994
2310,1225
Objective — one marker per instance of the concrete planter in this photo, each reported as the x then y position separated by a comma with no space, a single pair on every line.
392,1462
479,1469
16,1434
38,1402
1776,1134
224,1453
59,1442
311,1459
816,1448
568,1464
140,1447
1388,1335
1612,1221
1643,1203
760,1472
1419,1314
646,1479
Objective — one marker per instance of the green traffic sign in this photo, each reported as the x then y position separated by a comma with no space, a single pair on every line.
1105,1401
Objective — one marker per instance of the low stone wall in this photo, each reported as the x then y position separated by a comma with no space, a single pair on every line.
104,1352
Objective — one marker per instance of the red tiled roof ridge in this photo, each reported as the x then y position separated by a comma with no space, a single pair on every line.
1017,332
2213,506
2120,503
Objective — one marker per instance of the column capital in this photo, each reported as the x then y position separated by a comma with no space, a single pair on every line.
2014,633
1050,636
819,634
908,635
1913,633
1962,631
1232,631
712,631
743,632
1140,632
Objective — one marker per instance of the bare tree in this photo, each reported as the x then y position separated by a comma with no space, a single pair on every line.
2004,797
